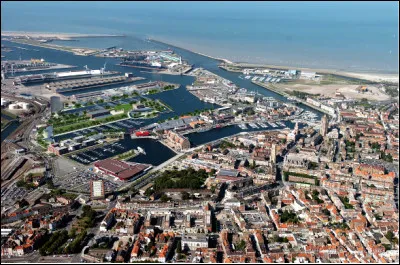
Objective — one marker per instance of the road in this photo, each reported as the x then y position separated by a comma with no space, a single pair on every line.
29,258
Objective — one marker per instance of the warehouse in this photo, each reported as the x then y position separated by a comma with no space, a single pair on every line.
119,169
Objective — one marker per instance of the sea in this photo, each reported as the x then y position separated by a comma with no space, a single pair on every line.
347,36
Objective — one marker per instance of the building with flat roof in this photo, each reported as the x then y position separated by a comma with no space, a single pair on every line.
119,169
97,189
98,113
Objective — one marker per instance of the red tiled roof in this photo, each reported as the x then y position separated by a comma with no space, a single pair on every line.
120,169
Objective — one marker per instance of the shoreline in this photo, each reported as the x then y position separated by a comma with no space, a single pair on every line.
373,76
56,34
364,75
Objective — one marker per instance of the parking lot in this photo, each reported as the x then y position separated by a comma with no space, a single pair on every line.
80,182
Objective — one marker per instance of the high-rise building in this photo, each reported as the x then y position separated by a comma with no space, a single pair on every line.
97,189
273,153
55,104
48,132
324,125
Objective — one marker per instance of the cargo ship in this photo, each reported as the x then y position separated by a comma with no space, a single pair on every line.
143,64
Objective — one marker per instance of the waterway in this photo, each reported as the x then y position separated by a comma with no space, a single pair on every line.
180,100
12,126
156,153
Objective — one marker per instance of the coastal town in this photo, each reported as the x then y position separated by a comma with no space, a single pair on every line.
156,156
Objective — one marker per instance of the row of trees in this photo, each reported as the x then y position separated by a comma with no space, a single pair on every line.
54,243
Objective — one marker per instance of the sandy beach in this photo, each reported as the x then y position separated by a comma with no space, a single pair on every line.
349,91
54,35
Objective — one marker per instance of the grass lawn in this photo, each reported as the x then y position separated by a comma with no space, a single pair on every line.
125,107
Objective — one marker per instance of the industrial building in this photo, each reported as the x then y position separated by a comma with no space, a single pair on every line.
119,169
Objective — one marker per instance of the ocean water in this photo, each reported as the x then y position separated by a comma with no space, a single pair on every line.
356,36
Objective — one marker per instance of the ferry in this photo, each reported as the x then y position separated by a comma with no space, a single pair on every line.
143,64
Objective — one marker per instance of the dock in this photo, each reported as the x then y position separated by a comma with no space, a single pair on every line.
74,85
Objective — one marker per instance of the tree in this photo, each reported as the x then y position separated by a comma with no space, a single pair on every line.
164,198
50,184
185,195
179,247
213,188
390,235
213,171
253,165
22,203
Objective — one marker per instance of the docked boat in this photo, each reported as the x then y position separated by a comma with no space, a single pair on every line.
143,64
141,150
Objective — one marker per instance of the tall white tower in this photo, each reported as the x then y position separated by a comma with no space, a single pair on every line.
273,154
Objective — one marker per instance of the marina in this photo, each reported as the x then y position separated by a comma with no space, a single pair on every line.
119,147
